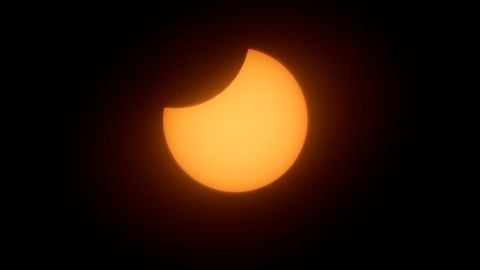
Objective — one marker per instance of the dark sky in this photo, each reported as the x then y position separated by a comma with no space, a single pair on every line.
106,192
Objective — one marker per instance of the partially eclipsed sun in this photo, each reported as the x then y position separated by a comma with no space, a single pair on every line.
247,136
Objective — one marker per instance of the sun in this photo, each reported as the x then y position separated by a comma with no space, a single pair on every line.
247,136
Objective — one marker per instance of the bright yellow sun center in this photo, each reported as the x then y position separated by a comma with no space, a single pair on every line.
247,136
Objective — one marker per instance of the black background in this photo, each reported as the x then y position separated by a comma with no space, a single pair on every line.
106,192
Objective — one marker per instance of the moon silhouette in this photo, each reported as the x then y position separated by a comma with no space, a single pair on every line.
247,136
